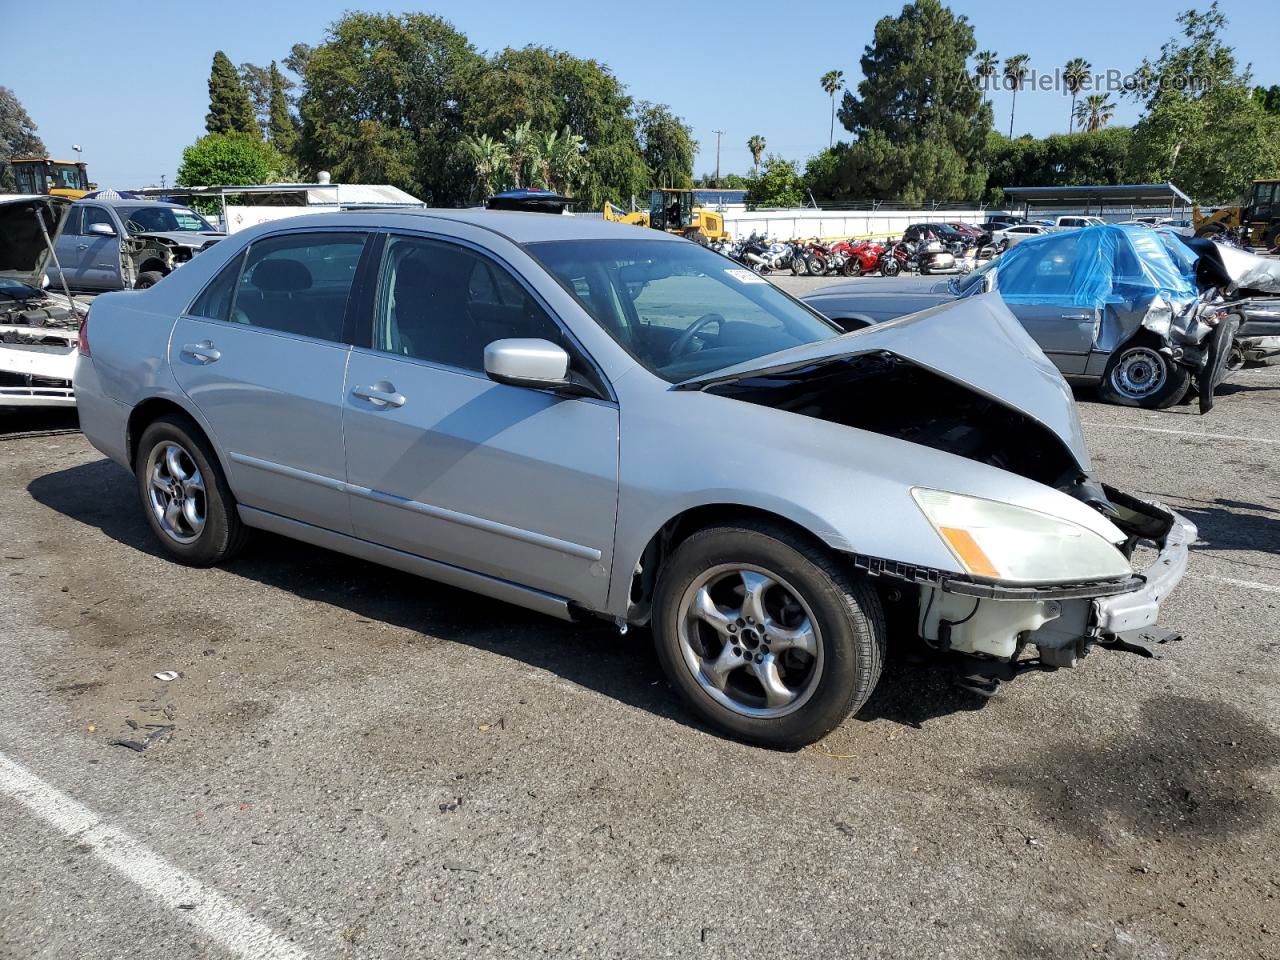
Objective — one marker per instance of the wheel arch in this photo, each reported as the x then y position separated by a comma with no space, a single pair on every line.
151,409
647,567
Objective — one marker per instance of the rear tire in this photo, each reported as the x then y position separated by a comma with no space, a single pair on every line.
825,627
1138,375
817,266
852,267
184,494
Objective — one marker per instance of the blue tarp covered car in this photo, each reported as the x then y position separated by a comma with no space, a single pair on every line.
1113,305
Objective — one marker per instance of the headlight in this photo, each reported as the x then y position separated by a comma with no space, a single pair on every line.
1004,542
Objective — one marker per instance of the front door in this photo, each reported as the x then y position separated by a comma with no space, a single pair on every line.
262,356
511,482
99,262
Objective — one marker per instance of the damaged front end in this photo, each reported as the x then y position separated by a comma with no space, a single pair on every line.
1023,578
39,331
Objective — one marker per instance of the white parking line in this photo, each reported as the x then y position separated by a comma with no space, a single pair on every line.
1252,585
1184,433
220,919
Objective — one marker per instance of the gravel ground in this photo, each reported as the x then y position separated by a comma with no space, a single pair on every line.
369,765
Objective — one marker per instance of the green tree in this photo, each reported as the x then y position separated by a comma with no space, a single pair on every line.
778,185
239,159
986,64
560,160
522,154
1094,112
1268,98
667,145
550,90
490,159
756,145
1202,127
1061,159
1015,71
281,124
919,121
18,137
230,109
831,82
382,103
1074,76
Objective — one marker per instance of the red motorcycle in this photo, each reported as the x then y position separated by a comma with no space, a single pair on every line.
861,257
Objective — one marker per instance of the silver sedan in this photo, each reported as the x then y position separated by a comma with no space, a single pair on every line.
596,420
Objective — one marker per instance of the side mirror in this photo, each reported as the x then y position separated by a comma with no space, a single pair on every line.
539,364
101,230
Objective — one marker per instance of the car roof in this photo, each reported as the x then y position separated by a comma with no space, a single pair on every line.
517,226
123,202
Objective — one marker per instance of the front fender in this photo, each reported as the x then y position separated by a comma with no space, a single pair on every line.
850,488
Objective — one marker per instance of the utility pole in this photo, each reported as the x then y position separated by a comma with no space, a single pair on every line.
718,133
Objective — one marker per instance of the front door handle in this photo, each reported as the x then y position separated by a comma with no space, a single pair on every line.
381,394
82,246
1077,316
202,351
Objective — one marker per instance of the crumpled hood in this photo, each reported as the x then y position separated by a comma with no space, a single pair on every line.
976,342
1238,271
182,238
23,251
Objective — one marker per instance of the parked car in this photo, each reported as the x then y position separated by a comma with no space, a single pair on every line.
996,221
589,420
1110,306
1013,235
1072,222
125,244
38,330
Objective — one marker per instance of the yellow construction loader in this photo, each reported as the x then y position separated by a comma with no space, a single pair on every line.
1255,220
674,212
51,178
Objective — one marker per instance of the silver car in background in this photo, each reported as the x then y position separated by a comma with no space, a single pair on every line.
587,419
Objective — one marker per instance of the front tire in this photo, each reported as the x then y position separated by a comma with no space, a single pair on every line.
148,278
890,267
184,493
1139,375
767,639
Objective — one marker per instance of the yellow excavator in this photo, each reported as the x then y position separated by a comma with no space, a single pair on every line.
674,212
1256,219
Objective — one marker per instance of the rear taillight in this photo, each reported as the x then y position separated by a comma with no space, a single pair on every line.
83,345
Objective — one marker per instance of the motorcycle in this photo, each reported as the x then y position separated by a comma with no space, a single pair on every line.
858,258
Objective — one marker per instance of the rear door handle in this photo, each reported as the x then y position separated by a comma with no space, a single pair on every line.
381,394
202,351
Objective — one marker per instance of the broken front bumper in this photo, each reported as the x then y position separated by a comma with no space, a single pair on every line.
1141,607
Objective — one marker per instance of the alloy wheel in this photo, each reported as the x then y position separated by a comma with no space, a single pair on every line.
750,640
176,492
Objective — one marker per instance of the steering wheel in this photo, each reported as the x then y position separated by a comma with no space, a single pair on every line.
681,346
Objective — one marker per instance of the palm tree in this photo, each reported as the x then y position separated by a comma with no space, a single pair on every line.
522,153
561,159
1094,112
756,146
985,67
1015,69
1074,75
831,82
490,159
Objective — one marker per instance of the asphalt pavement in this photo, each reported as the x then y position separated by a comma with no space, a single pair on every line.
352,762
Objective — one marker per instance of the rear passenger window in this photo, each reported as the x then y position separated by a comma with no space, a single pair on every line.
445,303
215,302
299,283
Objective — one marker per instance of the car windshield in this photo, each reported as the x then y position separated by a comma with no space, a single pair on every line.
679,309
163,219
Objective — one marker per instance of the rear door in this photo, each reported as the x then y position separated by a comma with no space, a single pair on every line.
1043,292
262,353
442,462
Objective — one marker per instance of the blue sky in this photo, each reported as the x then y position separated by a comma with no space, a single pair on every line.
131,89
